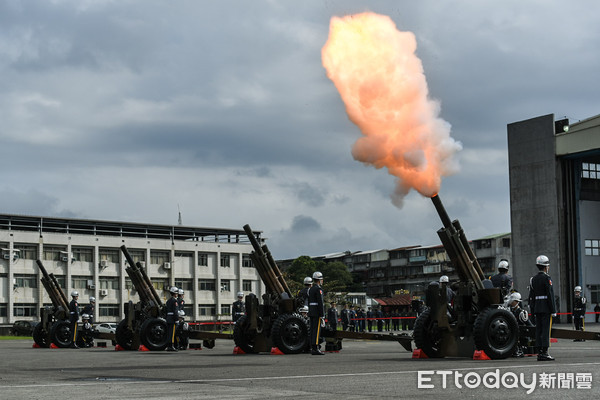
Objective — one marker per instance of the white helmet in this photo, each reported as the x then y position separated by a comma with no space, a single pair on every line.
503,264
92,299
74,293
317,275
240,294
180,291
542,261
85,316
514,296
578,288
181,313
303,309
308,280
174,290
444,279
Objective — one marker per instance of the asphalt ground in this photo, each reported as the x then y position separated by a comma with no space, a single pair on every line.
362,370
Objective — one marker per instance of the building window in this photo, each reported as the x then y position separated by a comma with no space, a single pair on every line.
80,282
128,284
185,284
3,310
53,253
225,260
160,284
109,310
225,309
109,282
159,257
24,310
246,285
26,281
206,284
207,310
26,251
225,285
184,254
590,170
83,254
506,242
592,247
203,259
138,255
110,255
246,261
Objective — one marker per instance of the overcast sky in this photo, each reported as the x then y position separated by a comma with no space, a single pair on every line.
125,110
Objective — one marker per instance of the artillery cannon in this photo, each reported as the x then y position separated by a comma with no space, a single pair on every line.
54,327
144,321
275,322
477,319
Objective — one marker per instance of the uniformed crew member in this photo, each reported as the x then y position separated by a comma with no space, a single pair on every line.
345,317
172,317
449,292
370,319
74,317
502,279
522,317
316,312
541,300
332,316
86,337
89,309
303,293
180,300
239,308
579,304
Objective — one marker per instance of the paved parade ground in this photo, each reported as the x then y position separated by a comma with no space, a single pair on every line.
361,370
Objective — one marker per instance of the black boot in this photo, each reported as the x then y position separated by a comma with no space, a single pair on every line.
544,356
316,352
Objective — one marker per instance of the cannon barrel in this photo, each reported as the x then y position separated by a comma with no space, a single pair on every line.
267,267
457,246
140,280
57,296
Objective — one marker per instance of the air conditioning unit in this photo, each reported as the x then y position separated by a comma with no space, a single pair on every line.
6,256
92,287
167,265
103,263
64,259
103,292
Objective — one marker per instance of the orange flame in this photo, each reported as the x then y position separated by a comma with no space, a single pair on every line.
382,84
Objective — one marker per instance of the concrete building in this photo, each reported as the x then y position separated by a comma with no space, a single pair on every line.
554,170
210,264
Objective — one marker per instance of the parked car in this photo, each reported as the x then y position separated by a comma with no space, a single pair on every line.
106,327
23,328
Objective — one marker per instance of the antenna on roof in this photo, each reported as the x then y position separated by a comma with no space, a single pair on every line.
179,222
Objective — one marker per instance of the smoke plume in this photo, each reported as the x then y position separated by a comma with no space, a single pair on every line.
381,81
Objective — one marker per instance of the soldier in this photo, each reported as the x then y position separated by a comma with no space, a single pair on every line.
74,317
514,303
183,334
304,312
502,280
345,317
379,315
86,337
541,300
89,309
352,323
332,316
597,312
370,319
172,317
238,308
579,305
449,292
180,300
303,293
315,312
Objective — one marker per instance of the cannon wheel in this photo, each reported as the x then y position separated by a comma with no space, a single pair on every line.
125,337
244,340
40,336
427,335
496,332
290,333
153,334
61,334
208,343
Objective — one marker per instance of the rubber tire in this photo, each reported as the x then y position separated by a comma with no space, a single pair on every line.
153,334
290,333
426,335
61,335
40,336
126,338
241,339
496,332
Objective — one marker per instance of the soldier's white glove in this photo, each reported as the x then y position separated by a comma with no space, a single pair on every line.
322,322
554,315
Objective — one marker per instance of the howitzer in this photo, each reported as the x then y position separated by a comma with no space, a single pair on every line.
275,322
54,327
144,322
476,319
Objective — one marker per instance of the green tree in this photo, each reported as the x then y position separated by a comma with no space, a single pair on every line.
301,267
